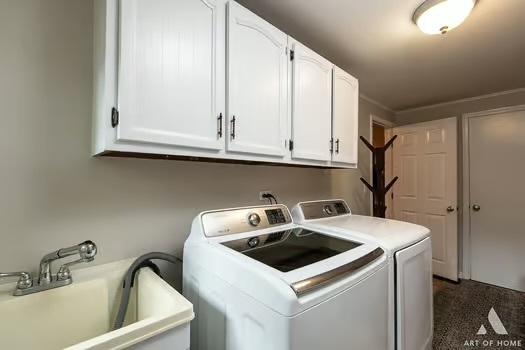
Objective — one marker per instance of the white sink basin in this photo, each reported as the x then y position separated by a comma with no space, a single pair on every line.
80,316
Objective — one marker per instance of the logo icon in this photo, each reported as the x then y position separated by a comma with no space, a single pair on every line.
495,323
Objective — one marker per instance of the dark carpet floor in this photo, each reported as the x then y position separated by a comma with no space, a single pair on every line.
461,309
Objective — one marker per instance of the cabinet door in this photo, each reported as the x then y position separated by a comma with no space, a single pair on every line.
311,104
345,117
257,84
169,72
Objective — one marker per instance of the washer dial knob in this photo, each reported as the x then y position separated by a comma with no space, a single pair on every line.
328,210
254,219
253,242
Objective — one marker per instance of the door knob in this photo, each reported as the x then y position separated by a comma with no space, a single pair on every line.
476,207
450,209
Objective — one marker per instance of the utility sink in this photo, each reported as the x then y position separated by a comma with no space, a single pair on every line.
80,316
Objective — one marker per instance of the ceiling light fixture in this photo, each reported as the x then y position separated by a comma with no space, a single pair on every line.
440,16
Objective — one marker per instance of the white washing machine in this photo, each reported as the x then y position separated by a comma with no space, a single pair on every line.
410,253
259,282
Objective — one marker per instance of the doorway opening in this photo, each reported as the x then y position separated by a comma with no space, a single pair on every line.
378,135
381,130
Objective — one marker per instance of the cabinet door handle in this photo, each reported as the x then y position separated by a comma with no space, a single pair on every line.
219,126
232,132
337,146
331,145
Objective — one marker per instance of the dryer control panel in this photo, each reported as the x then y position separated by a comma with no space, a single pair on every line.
324,209
231,221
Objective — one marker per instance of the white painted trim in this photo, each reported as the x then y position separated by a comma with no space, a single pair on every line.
468,99
465,212
377,103
371,178
466,273
381,121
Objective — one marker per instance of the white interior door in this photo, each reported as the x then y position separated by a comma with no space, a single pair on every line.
497,192
345,117
171,76
257,84
311,104
425,159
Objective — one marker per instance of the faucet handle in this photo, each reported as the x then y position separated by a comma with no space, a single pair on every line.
64,273
24,279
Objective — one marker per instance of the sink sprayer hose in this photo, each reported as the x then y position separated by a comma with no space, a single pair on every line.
129,278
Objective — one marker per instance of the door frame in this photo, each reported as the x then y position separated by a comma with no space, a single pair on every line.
387,124
466,237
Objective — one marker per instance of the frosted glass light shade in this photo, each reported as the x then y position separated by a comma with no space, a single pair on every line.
440,16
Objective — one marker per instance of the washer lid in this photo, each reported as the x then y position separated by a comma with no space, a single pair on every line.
294,249
290,250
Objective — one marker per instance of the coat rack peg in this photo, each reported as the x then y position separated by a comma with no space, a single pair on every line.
379,190
392,182
367,185
390,142
367,144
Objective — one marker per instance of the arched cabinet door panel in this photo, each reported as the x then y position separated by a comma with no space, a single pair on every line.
257,84
171,72
311,104
345,117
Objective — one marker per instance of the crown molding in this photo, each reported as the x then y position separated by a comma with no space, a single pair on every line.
468,99
377,103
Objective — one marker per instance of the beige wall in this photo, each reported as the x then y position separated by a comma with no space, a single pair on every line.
53,194
346,183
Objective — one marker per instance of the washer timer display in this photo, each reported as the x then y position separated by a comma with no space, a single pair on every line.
275,216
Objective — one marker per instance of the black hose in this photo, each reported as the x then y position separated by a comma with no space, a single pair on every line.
129,277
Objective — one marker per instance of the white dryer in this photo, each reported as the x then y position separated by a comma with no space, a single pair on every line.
410,253
258,282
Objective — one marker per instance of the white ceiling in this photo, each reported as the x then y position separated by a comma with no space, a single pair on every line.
397,64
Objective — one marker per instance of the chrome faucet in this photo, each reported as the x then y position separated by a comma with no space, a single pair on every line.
26,285
86,250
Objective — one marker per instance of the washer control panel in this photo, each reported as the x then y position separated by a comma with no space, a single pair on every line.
231,221
275,216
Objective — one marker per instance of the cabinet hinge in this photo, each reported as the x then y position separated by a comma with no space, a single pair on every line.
290,145
292,55
114,117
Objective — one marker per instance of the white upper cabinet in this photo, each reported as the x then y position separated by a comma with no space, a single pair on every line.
210,79
171,73
345,117
311,104
257,85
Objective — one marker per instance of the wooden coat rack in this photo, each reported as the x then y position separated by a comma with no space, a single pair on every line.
379,190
